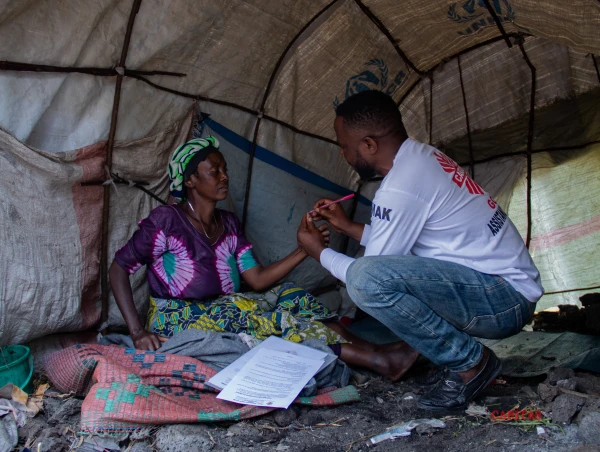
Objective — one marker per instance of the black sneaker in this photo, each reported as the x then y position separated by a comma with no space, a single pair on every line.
432,377
450,393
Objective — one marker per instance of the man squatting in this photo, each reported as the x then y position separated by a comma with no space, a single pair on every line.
443,263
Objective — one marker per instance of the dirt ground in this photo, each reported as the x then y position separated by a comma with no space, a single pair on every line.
349,427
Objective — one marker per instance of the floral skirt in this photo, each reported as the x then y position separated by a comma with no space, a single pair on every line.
286,310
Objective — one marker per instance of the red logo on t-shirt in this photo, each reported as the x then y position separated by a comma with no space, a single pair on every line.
460,178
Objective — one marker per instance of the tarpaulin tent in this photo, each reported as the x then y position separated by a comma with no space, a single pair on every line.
105,90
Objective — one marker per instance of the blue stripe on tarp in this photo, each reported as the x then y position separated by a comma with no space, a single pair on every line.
279,162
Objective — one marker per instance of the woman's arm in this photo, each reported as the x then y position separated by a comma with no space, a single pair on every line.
119,282
260,278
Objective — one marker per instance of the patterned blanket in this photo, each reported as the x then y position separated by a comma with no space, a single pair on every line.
127,389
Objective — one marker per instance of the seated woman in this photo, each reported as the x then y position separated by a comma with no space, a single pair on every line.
196,256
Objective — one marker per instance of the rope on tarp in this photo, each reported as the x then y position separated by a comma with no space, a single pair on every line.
263,103
529,139
109,151
469,139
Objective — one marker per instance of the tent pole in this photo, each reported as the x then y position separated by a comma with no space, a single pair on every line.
98,71
365,9
572,290
260,114
498,23
450,58
596,66
233,105
109,150
346,239
535,151
529,140
431,108
464,96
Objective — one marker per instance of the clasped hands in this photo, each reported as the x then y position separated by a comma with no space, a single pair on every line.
314,239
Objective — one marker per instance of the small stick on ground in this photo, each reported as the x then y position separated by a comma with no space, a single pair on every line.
579,394
212,439
363,438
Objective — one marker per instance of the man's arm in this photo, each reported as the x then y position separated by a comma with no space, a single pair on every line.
337,218
397,221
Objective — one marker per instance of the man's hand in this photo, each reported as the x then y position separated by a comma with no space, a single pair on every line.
310,238
144,340
334,215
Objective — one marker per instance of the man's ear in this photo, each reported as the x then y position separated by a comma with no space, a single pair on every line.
369,146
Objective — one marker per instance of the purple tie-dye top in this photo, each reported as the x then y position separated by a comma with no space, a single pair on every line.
181,262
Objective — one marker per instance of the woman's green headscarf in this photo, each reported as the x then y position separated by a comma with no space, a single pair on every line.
194,150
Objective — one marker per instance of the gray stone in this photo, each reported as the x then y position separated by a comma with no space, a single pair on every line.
245,432
64,413
569,384
592,405
283,418
140,447
589,429
314,417
183,438
529,392
560,373
588,383
565,406
547,393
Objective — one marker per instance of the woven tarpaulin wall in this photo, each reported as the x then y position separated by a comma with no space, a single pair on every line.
114,86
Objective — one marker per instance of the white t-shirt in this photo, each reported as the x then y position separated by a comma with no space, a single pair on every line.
429,207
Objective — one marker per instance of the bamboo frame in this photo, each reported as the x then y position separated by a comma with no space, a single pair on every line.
260,115
120,72
464,97
109,150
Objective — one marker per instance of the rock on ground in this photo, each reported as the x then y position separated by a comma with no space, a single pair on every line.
183,438
547,393
560,373
283,418
565,406
589,429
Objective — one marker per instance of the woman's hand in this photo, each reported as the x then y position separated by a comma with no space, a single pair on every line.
325,233
144,340
334,215
310,238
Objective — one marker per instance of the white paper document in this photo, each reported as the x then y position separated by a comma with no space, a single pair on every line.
223,378
271,378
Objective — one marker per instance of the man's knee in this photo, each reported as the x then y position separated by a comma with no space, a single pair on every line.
361,279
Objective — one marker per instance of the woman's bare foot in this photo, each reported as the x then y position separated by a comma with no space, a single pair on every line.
391,364
395,359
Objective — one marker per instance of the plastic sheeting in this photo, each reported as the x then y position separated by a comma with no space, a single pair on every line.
229,52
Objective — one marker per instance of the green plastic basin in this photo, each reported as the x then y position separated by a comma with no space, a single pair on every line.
16,367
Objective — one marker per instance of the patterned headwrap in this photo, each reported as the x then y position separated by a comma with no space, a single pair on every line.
194,151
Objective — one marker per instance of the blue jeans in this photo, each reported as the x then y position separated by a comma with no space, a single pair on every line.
438,307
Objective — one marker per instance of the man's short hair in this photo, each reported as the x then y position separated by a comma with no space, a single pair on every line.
372,111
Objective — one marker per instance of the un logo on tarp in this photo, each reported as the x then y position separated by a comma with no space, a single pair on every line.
476,16
374,77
